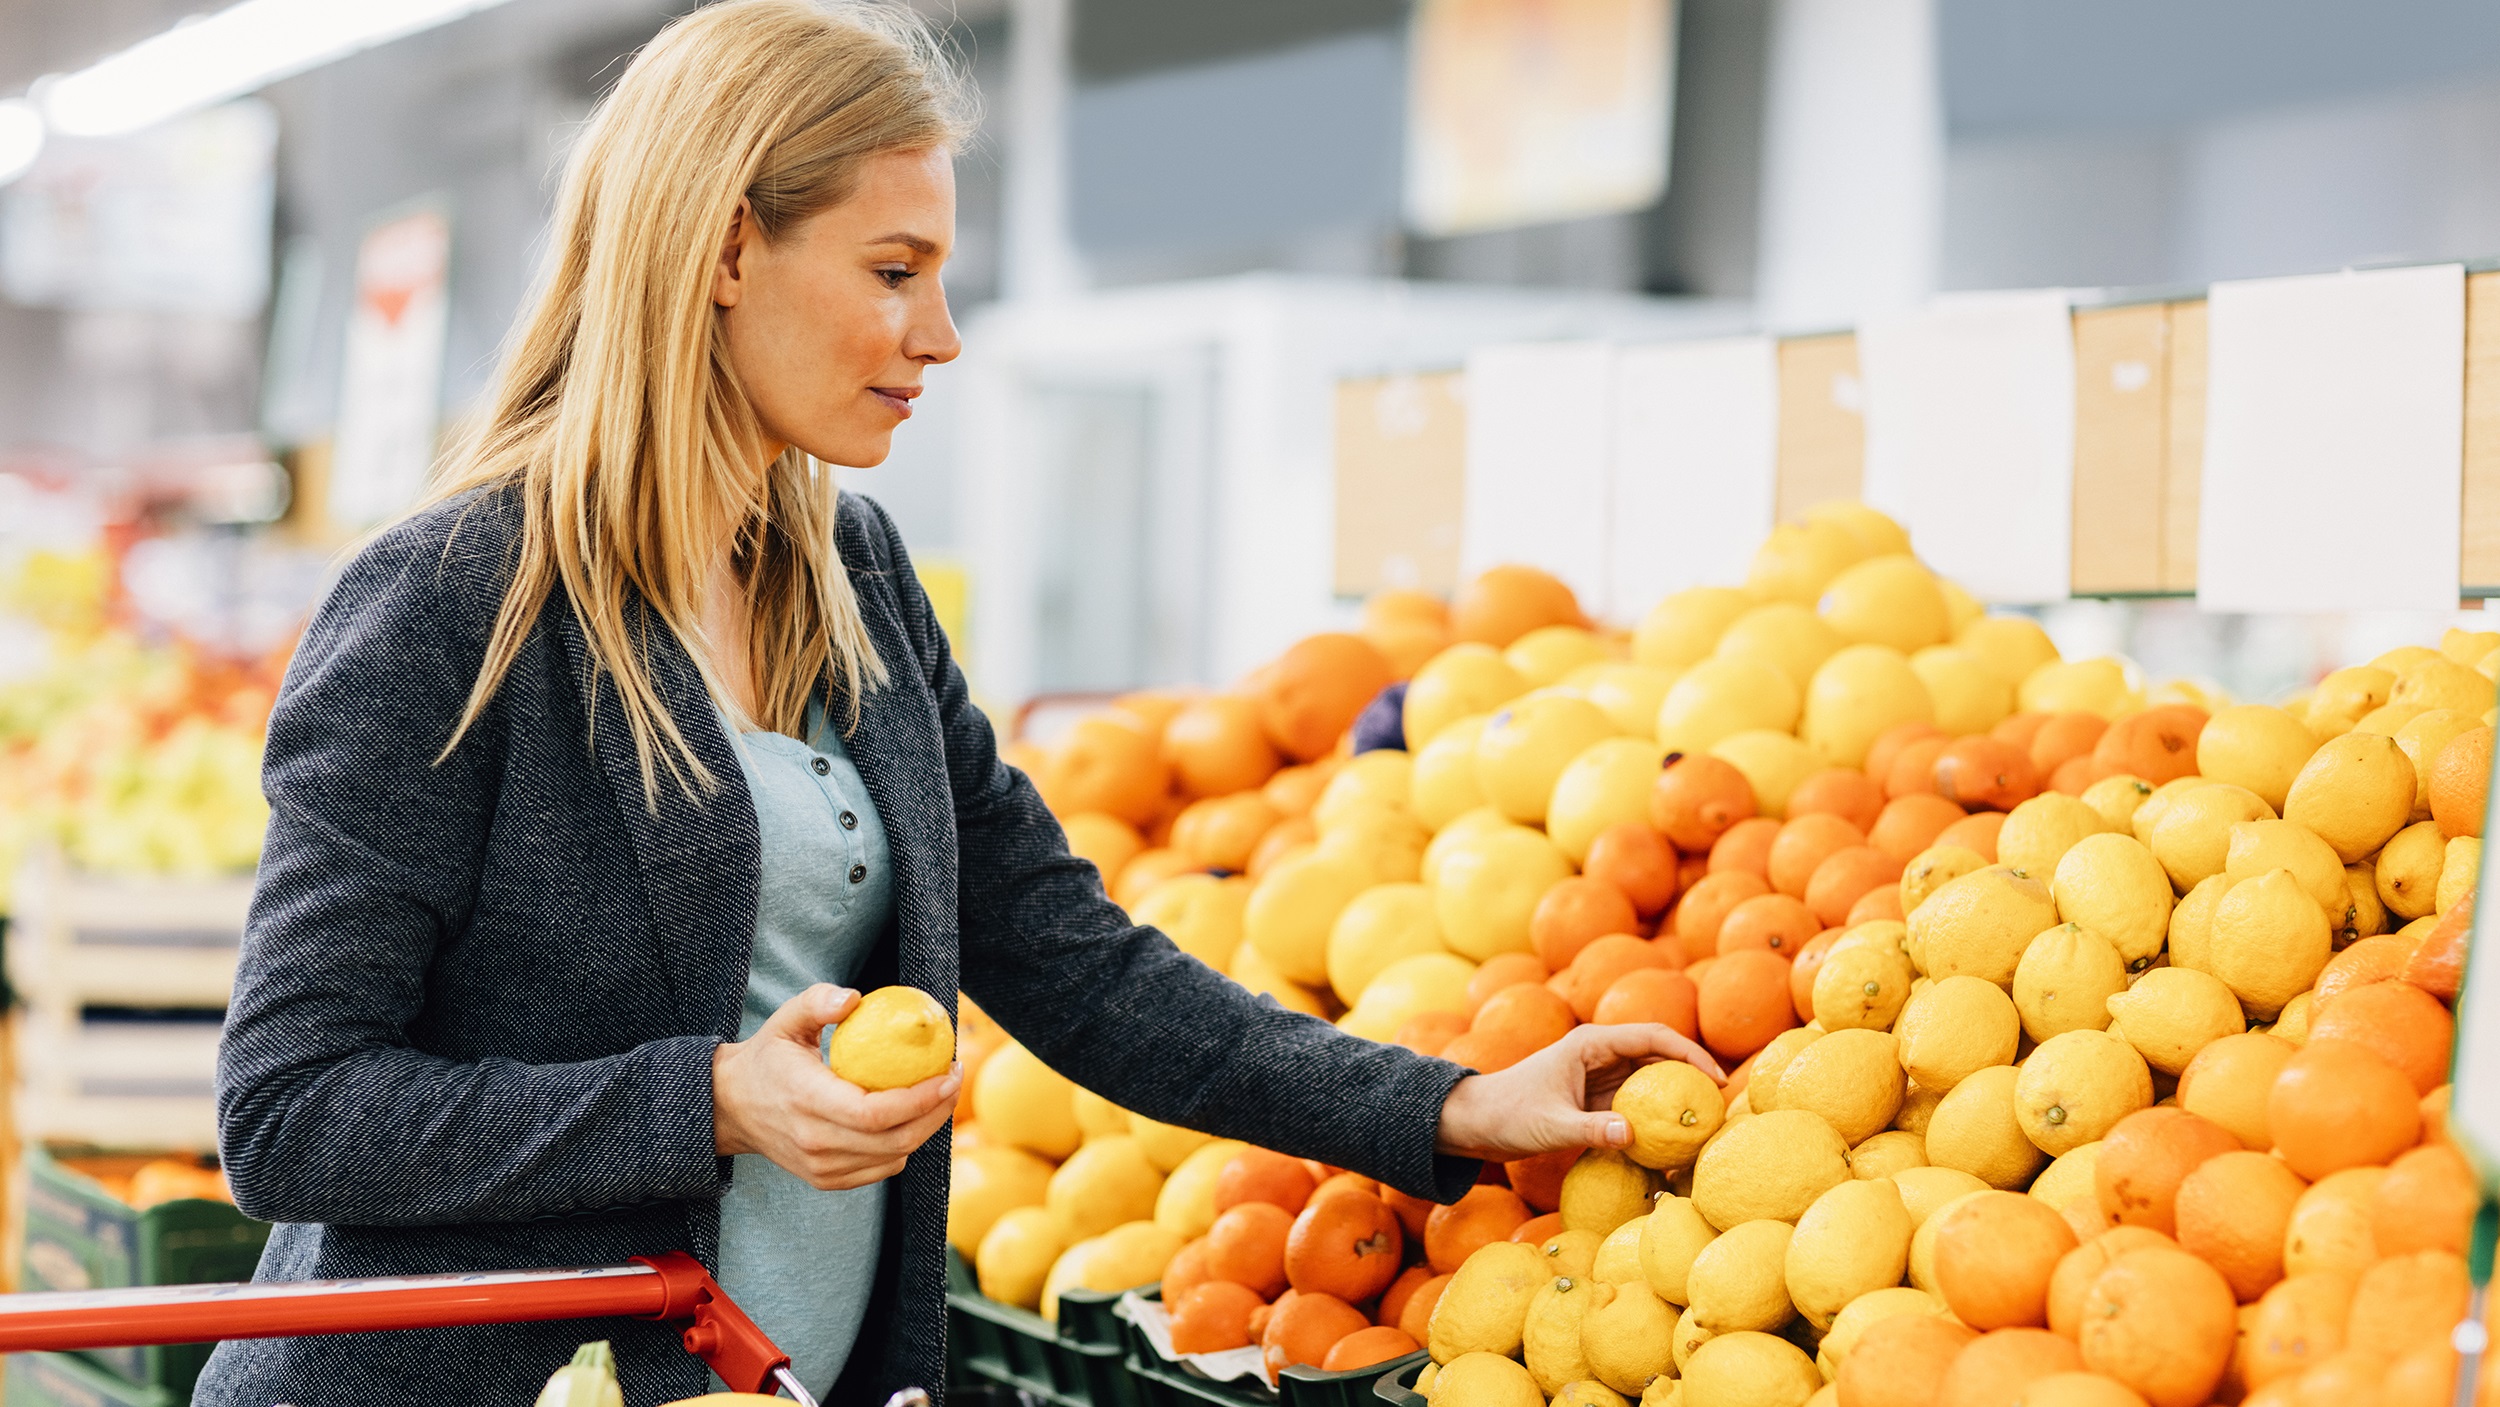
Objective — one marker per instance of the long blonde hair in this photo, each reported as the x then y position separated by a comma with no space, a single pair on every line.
615,414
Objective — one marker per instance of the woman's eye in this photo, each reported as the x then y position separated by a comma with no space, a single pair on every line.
893,278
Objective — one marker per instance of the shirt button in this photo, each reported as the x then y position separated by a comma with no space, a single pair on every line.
858,873
850,821
822,766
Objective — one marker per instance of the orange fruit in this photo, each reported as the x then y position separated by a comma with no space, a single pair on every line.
1803,967
1802,845
1886,749
1981,774
1975,832
1651,994
1223,832
1139,876
1846,877
1845,792
1430,1032
2020,729
2438,965
1876,905
2407,1301
1415,1319
2234,1211
2061,737
1212,1317
2425,1203
1110,763
1498,972
1282,839
2085,1217
1538,1180
1575,913
2373,959
1365,1348
1995,1254
2408,1027
1506,602
2078,1390
1346,1243
1705,907
1696,799
1485,1215
1744,1002
2162,1322
2341,1105
2299,1324
2078,1268
1304,1328
1186,1270
1584,983
1309,695
1746,847
1393,1299
2075,774
2458,777
1901,1361
2350,1377
1246,1245
2158,744
1994,1368
1412,1212
2229,1080
2145,1157
1293,791
1260,1175
1537,1230
1772,922
1913,771
1910,824
1638,861
1216,747
1524,1015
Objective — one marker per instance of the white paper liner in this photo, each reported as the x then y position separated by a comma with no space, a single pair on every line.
1230,1365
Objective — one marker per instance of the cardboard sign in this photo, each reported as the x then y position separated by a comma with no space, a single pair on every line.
1540,432
1401,482
2122,384
1822,422
391,384
1695,465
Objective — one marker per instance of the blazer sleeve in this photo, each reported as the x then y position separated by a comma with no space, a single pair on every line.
326,1110
1120,1010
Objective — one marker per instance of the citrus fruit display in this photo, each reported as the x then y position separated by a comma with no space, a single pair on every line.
2088,1040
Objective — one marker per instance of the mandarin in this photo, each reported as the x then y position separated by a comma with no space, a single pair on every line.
1531,1015
1703,911
1901,1361
1803,967
2144,1158
1346,1243
1246,1245
2458,776
1393,1299
2373,959
1108,763
1638,861
2020,729
2158,744
1211,1317
1262,1175
1802,845
1994,1255
2078,1268
1981,774
2425,1203
2062,737
1746,848
1538,1179
1303,1328
2162,1322
1913,770
1977,833
1881,753
2337,1105
1574,913
1428,1033
1366,1348
1744,1002
1994,1368
1652,995
1774,922
1845,792
1584,983
2408,1027
1309,695
1503,970
1695,800
1485,1215
1415,1318
1506,602
1910,824
2235,1210
1877,905
1216,747
1846,877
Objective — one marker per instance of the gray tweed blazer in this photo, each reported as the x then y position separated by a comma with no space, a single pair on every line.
474,1023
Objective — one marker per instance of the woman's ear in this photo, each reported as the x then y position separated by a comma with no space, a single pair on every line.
727,275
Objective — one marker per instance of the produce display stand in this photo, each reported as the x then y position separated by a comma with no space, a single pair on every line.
672,1287
1082,1361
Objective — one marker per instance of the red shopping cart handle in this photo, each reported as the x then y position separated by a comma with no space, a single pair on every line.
672,1287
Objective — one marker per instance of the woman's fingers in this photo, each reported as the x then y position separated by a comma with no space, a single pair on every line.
893,1108
1604,1045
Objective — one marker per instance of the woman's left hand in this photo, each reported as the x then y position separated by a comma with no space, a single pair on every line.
1562,1096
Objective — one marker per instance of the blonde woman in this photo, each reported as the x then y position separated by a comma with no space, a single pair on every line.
602,783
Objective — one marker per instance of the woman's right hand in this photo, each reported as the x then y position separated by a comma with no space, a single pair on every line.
772,1094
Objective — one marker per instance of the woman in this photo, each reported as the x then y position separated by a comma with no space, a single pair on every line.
600,784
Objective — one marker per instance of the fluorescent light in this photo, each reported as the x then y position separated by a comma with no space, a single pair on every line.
21,137
210,58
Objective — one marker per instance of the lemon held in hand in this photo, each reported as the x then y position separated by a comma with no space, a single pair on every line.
896,1036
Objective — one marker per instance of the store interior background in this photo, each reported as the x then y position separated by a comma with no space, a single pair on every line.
1214,177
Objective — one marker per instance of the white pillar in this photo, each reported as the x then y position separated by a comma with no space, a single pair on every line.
1040,258
1852,162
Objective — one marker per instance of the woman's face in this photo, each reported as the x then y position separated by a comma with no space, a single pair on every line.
830,326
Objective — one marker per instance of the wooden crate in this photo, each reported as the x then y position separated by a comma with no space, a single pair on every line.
81,940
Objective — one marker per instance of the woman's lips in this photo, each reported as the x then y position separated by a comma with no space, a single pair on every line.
897,400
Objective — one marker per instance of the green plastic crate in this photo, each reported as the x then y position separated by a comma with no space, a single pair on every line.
1170,1384
1082,1362
65,1380
80,1237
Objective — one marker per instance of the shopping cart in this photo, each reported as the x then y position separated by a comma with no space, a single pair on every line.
672,1287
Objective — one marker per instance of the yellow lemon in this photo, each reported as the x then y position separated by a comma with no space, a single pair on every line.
1773,764
1629,696
2069,1178
1097,1117
2467,646
1550,1337
1861,986
1969,695
2065,980
1684,628
1380,777
1406,989
2039,832
2356,793
2344,697
1485,1380
1105,842
1852,1080
2076,1086
2013,647
1740,1280
1487,887
2421,739
2112,885
1934,868
1618,1258
1748,1369
1186,1205
1719,698
1671,1236
1855,695
1258,975
1961,608
1918,1107
2293,1024
1605,786
1770,1166
1889,600
1762,1089
1955,1028
2442,683
1294,907
2269,941
2258,846
1861,1313
1384,923
1462,830
1604,1189
1854,1240
1629,1338
1484,1309
2404,657
2192,923
1200,913
1385,841
1017,1099
1783,635
1975,1130
1548,653
1572,1253
1877,532
2173,1012
2193,837
984,1184
895,1037
2149,811
2406,872
1526,745
1464,680
1673,1109
1798,560
2460,870
1442,786
1928,1190
2101,686
1014,1260
1978,925
2386,719
2115,799
1887,1153
2363,916
1108,1182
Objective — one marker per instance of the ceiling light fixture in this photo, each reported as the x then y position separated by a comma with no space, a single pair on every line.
21,138
210,58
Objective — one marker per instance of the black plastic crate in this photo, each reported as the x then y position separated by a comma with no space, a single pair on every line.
1170,1384
1081,1362
1398,1384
